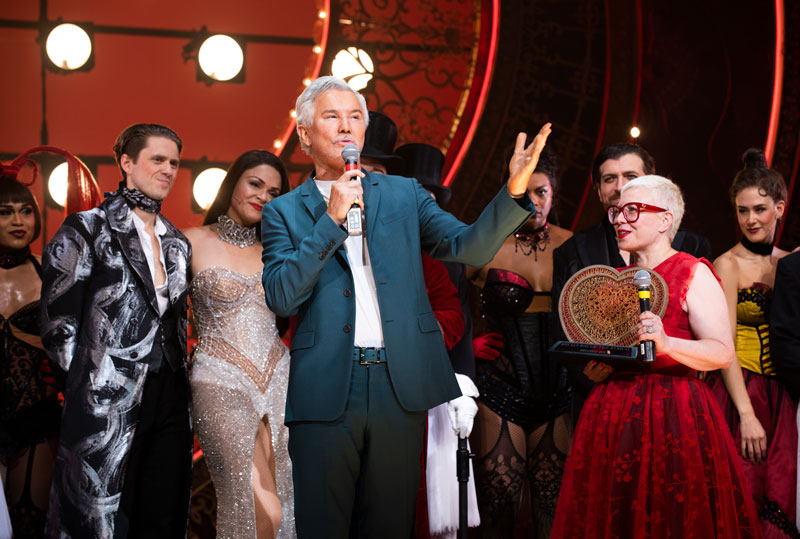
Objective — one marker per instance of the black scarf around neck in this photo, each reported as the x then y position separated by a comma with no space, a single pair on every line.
136,199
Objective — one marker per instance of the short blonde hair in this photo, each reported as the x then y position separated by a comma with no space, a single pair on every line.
667,194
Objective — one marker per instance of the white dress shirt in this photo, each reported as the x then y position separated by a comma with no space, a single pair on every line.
368,332
162,292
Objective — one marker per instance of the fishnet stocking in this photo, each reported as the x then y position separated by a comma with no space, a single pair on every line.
548,446
28,487
501,471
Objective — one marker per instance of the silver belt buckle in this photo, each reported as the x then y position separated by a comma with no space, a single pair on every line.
362,361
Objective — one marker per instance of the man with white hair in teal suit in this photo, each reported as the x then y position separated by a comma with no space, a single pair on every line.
367,359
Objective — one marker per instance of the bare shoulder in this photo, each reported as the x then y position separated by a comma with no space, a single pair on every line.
703,274
559,235
726,263
704,288
198,234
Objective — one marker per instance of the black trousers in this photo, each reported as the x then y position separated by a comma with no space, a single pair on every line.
358,476
155,496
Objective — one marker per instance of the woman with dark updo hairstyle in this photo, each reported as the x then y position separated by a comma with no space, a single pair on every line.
30,413
240,370
760,412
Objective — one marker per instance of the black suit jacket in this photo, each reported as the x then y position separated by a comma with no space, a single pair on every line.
784,323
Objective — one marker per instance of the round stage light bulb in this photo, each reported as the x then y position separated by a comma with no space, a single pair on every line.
221,57
206,186
317,49
277,144
57,184
354,66
635,132
322,14
68,46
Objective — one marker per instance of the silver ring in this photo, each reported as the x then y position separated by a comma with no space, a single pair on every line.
355,200
651,329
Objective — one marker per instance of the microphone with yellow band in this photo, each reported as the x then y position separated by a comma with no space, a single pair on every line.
642,280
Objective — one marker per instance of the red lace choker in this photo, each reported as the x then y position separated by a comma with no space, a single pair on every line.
532,242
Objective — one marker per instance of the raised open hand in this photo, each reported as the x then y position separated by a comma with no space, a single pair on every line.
524,160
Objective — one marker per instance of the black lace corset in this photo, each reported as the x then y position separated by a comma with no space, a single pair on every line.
523,385
27,414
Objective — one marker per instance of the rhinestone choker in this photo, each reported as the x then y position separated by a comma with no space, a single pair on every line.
232,232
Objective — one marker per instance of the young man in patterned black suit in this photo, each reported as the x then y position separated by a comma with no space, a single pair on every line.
114,327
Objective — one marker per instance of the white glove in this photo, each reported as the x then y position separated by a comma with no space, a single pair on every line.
462,410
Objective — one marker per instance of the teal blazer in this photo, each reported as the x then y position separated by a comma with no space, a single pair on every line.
306,272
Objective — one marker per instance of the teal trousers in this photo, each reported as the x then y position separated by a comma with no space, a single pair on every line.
358,476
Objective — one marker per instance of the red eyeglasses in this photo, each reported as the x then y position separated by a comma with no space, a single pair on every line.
631,211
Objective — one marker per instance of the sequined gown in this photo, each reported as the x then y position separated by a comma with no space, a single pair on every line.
772,482
239,376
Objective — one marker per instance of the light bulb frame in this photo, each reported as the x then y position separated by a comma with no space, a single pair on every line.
47,28
196,167
192,50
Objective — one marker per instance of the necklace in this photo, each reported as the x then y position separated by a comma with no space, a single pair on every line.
12,259
532,243
232,232
763,249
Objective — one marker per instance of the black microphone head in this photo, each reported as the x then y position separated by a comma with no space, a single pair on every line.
642,279
350,153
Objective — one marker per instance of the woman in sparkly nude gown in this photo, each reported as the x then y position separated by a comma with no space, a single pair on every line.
241,368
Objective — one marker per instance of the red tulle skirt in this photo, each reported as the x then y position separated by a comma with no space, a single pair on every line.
652,456
773,483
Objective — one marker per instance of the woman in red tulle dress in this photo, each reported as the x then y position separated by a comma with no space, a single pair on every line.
652,455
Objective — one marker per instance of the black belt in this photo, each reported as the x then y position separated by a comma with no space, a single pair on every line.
369,356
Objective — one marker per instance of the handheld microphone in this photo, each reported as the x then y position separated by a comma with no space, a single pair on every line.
642,280
350,154
355,217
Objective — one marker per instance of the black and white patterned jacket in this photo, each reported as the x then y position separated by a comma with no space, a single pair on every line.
99,320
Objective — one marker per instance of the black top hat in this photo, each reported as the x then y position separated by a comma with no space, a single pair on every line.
379,140
425,162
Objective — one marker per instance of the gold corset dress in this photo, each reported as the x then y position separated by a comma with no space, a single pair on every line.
752,329
239,376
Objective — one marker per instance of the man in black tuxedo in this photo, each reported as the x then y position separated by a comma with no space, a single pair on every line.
784,323
613,167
